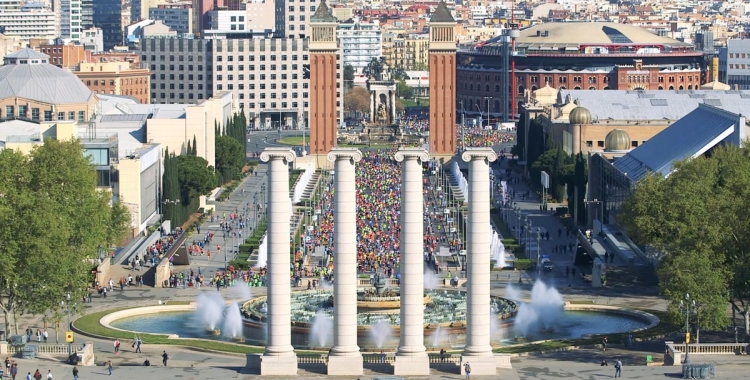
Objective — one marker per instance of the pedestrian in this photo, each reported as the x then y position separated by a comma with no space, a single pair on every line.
28,376
75,373
164,358
109,367
13,371
138,343
117,345
604,344
618,368
467,369
37,375
45,335
49,374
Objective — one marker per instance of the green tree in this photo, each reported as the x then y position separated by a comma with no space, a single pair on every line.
52,222
195,176
697,217
357,99
374,68
194,152
229,158
404,91
348,76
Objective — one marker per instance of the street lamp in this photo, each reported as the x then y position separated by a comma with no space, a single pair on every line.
538,256
688,306
518,225
64,304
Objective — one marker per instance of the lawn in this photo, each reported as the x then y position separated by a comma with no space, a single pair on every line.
89,324
292,140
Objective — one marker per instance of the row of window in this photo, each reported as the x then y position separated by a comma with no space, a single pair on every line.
23,113
172,95
172,77
252,67
262,105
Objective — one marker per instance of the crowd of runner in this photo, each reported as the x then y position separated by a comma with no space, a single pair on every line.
480,137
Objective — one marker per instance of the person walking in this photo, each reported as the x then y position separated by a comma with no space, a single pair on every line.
138,343
164,358
49,374
117,346
467,369
13,371
28,376
109,367
604,344
75,373
618,368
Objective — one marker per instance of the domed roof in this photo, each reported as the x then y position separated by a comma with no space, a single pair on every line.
27,74
580,115
617,140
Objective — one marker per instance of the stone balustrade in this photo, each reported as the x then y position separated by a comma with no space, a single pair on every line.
44,348
503,361
674,352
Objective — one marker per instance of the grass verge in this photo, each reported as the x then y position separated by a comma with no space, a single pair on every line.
664,328
89,325
291,140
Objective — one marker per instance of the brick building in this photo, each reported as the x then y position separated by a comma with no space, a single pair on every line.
116,78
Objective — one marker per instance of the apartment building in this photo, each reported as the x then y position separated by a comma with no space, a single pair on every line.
360,43
410,51
178,17
115,78
66,56
266,77
292,17
181,69
29,23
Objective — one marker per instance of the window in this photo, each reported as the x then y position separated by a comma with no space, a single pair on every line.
71,115
23,111
61,116
81,116
35,114
9,111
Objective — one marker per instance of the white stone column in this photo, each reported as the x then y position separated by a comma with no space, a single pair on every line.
345,358
478,351
411,357
279,357
393,107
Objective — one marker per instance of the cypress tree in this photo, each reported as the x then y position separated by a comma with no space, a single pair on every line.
195,146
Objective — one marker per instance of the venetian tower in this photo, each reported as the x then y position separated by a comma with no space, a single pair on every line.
442,62
323,109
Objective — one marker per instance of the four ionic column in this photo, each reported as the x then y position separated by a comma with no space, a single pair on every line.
411,356
478,351
345,358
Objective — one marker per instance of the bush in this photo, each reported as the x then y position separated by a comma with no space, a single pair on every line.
523,264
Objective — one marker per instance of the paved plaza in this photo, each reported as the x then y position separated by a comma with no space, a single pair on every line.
193,364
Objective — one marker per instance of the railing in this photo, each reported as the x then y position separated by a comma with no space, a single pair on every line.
377,358
46,348
389,282
711,348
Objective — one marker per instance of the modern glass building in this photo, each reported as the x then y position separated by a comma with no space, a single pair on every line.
108,16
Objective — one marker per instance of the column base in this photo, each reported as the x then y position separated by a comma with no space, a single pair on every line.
412,365
272,365
345,365
480,365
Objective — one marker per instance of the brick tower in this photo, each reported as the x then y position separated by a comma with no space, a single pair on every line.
323,109
442,83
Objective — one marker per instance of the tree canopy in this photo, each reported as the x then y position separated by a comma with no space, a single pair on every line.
697,217
357,99
53,223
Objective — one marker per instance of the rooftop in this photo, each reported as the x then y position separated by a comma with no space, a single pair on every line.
635,105
575,34
40,81
691,136
442,14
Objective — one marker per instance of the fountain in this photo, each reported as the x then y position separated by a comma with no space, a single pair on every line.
232,326
541,314
322,329
209,311
498,250
439,336
380,331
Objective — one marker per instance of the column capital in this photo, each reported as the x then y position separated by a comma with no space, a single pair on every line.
285,154
352,154
471,154
409,153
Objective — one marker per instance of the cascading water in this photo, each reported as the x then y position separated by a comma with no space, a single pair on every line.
498,250
380,332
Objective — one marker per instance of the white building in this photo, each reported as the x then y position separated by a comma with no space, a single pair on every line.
360,43
69,13
93,39
31,22
737,64
292,18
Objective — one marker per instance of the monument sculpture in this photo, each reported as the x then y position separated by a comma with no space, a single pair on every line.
382,126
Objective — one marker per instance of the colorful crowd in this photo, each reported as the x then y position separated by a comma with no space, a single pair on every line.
480,137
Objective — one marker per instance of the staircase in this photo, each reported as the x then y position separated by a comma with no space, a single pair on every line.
311,186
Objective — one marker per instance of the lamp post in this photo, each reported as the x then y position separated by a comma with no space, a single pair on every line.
67,306
518,224
688,306
538,256
526,234
488,98
463,124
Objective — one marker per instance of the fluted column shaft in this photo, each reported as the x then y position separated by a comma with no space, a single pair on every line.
345,252
478,252
279,339
412,247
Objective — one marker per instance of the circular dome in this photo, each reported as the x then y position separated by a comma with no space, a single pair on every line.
617,140
580,115
28,74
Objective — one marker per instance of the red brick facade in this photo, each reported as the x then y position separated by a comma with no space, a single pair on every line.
442,102
322,102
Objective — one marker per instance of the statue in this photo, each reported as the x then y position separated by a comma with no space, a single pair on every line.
382,114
